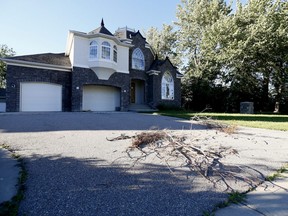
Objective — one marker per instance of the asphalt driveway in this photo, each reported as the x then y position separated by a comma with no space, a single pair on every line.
74,170
68,121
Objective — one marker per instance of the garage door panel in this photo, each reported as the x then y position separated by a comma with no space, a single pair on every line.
100,98
41,97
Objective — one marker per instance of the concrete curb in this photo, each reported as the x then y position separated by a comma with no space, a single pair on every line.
269,198
9,173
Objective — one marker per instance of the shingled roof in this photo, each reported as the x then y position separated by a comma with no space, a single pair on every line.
46,58
157,63
101,30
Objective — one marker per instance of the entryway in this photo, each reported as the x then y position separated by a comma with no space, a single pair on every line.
137,92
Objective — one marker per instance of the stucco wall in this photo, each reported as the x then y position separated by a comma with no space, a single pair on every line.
80,52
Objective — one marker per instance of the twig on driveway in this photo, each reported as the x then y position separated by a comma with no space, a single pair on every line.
172,149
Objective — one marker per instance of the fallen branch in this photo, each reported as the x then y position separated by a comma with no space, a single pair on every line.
178,150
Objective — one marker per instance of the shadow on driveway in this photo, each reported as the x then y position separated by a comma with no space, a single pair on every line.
70,186
69,121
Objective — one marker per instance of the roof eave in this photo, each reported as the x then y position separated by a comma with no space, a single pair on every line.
22,63
179,76
111,37
153,72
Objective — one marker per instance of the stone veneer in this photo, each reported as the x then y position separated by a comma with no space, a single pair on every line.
16,75
155,83
84,76
74,81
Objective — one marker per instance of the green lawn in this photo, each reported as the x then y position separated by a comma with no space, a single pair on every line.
274,122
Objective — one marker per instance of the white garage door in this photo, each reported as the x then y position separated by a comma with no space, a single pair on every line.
40,97
100,98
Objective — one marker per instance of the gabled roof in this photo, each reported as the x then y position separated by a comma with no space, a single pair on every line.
157,63
138,32
45,58
101,30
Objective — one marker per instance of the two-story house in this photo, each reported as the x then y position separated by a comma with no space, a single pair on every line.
99,71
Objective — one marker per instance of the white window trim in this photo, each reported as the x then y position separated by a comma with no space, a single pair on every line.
165,84
103,45
90,46
141,59
115,53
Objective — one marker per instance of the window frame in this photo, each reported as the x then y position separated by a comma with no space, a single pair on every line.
106,50
115,53
167,86
138,59
93,47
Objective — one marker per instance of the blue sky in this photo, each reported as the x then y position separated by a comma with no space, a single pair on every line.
40,26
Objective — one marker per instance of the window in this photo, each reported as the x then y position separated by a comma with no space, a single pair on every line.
115,53
105,50
167,87
138,61
93,50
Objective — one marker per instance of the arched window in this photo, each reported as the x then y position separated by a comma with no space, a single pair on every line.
105,50
93,50
115,53
138,61
167,87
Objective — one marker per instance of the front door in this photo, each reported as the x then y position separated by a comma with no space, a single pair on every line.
137,95
132,92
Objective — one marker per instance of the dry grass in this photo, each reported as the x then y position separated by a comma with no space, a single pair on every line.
146,138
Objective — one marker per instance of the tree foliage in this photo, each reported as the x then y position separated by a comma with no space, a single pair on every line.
229,56
163,43
5,51
195,17
251,48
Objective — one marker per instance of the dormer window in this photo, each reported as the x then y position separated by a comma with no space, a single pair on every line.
115,53
138,61
106,50
93,50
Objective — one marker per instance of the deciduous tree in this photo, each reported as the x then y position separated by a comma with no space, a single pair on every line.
5,51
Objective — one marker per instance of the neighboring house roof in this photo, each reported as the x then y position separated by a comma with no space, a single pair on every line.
45,58
124,33
45,61
101,30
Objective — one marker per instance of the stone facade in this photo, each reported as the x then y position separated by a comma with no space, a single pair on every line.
74,79
84,76
155,99
153,82
16,75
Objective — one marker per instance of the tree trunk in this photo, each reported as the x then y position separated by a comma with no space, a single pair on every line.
278,98
265,92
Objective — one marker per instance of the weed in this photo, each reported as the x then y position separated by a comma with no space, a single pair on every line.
208,213
277,174
10,208
236,197
283,169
